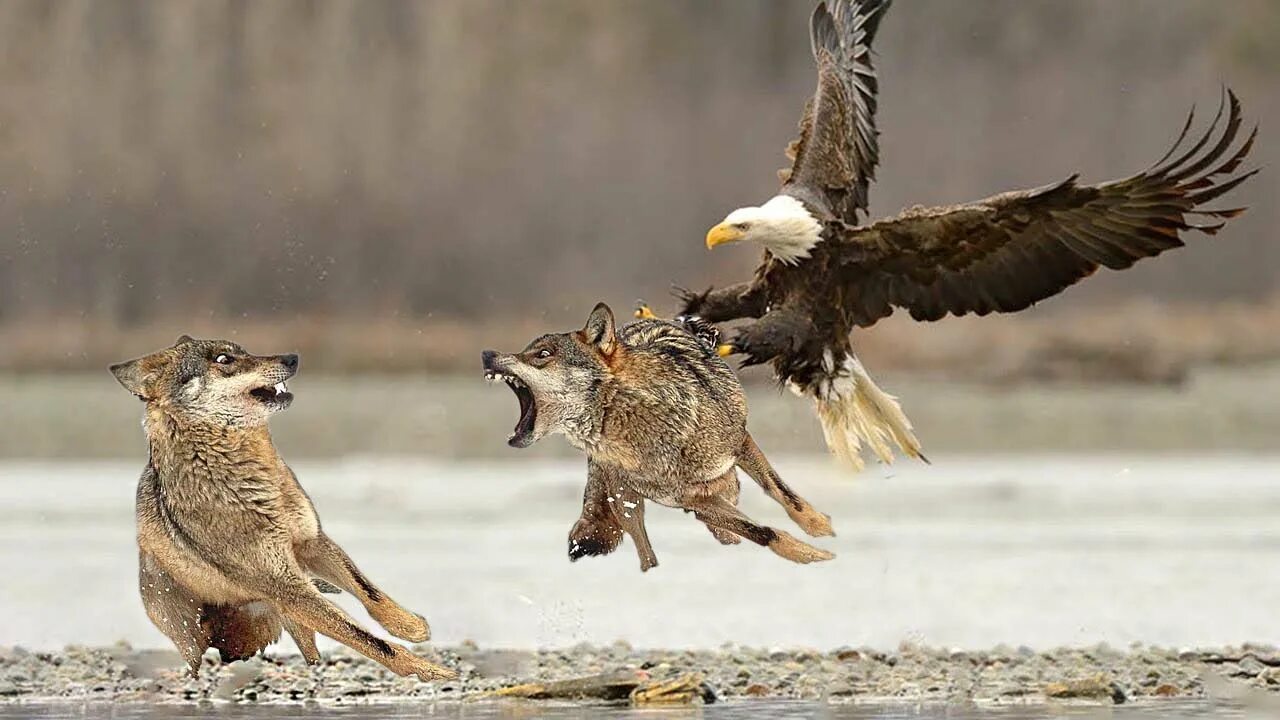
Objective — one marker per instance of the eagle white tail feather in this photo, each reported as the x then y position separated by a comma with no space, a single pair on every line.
854,410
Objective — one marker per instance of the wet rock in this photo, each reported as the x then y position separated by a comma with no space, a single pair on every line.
241,675
756,690
1249,666
840,689
1166,690
1098,687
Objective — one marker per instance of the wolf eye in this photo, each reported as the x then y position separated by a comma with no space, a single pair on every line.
543,354
223,359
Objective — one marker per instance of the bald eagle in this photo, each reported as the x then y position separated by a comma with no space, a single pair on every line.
826,271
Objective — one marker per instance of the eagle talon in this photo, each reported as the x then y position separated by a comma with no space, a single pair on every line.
726,349
643,312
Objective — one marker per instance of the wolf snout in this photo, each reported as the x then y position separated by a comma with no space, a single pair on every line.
290,361
493,361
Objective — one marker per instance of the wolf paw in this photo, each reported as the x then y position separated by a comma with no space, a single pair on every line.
326,587
405,625
589,537
427,671
814,523
796,551
587,546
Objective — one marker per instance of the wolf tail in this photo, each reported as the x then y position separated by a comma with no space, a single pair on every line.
854,410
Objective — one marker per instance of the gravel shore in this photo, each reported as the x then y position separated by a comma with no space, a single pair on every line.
1001,675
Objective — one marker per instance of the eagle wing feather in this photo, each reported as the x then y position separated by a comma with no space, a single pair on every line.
835,156
1009,251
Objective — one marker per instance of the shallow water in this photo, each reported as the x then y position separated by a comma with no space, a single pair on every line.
723,711
968,552
1224,409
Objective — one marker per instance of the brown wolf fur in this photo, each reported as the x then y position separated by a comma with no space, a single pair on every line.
660,417
230,548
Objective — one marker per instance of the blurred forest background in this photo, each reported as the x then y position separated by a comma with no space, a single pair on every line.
393,185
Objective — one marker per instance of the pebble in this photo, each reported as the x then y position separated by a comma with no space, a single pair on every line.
915,673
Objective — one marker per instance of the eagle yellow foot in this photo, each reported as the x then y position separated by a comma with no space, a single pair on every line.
643,312
725,350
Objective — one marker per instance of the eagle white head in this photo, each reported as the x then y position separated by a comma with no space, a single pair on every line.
782,225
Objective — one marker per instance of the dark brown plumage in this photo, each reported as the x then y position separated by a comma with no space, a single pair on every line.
1006,252
824,274
834,159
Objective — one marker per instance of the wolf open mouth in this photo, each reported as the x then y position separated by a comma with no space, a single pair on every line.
276,394
522,435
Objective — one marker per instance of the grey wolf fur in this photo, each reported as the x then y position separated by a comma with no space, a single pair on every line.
660,417
229,543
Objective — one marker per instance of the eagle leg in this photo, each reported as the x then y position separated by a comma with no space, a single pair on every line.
730,303
777,334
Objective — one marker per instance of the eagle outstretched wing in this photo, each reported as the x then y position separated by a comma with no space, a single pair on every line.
835,157
1009,251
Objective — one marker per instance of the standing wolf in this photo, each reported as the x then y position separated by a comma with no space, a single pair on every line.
661,417
228,541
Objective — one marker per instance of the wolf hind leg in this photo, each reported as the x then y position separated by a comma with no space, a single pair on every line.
305,639
716,512
174,611
752,460
323,557
730,494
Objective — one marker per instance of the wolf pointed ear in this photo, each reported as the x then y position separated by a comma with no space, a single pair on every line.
599,329
131,376
183,339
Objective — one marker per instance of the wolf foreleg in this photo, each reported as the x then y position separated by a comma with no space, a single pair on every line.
628,507
597,531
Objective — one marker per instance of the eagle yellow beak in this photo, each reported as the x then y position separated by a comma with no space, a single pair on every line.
721,234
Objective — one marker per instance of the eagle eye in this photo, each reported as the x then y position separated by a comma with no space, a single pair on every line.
741,225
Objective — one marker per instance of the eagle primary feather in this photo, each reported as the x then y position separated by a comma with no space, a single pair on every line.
1009,251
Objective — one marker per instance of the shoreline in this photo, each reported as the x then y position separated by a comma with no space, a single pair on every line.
459,417
998,676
